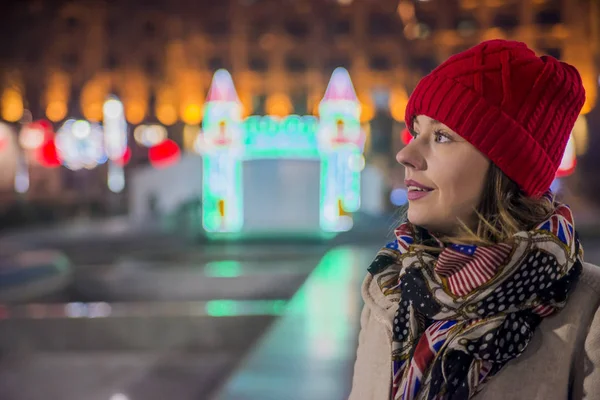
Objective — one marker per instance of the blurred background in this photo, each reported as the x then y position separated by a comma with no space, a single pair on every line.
191,191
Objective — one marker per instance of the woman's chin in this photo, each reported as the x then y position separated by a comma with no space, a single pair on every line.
417,218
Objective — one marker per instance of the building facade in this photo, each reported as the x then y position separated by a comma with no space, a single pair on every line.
60,59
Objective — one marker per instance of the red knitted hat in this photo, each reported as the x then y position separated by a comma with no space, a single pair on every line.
516,108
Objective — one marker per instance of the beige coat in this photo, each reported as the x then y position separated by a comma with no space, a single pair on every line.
561,362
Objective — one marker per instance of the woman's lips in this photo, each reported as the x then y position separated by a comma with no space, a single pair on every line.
417,194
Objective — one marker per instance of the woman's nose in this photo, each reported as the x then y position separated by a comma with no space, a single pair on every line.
409,157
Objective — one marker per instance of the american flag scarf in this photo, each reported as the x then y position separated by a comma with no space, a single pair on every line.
466,311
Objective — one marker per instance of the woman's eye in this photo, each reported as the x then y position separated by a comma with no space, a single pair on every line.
442,138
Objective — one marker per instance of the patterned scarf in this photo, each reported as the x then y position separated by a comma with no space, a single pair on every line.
464,312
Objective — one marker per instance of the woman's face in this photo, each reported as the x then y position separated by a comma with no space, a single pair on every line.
444,175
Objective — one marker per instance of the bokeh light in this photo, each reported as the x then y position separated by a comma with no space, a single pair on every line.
164,154
57,95
32,136
279,105
80,144
56,111
399,197
47,155
150,135
12,104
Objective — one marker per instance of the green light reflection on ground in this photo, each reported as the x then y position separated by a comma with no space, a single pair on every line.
236,308
223,269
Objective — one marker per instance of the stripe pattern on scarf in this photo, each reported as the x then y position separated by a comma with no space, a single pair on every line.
465,311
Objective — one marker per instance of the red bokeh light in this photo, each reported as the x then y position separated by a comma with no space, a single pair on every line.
562,172
47,156
164,154
46,125
406,136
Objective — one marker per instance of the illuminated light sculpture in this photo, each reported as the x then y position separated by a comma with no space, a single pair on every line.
341,142
80,144
336,140
220,143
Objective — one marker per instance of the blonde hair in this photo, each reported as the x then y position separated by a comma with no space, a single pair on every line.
503,211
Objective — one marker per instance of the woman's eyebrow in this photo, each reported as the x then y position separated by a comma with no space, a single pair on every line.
433,122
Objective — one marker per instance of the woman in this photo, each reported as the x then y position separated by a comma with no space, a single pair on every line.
484,293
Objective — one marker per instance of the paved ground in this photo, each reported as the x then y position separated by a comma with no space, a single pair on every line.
173,319
149,317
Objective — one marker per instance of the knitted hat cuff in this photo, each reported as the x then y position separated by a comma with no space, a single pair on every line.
504,141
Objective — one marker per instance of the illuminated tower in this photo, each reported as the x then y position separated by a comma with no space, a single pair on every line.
341,141
220,144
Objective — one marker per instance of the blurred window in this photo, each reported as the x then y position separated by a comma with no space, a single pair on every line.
553,51
506,21
111,61
425,64
71,23
295,64
149,29
215,63
296,28
33,55
548,17
257,29
382,24
379,63
217,27
70,61
428,19
151,66
467,26
258,64
111,26
340,26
